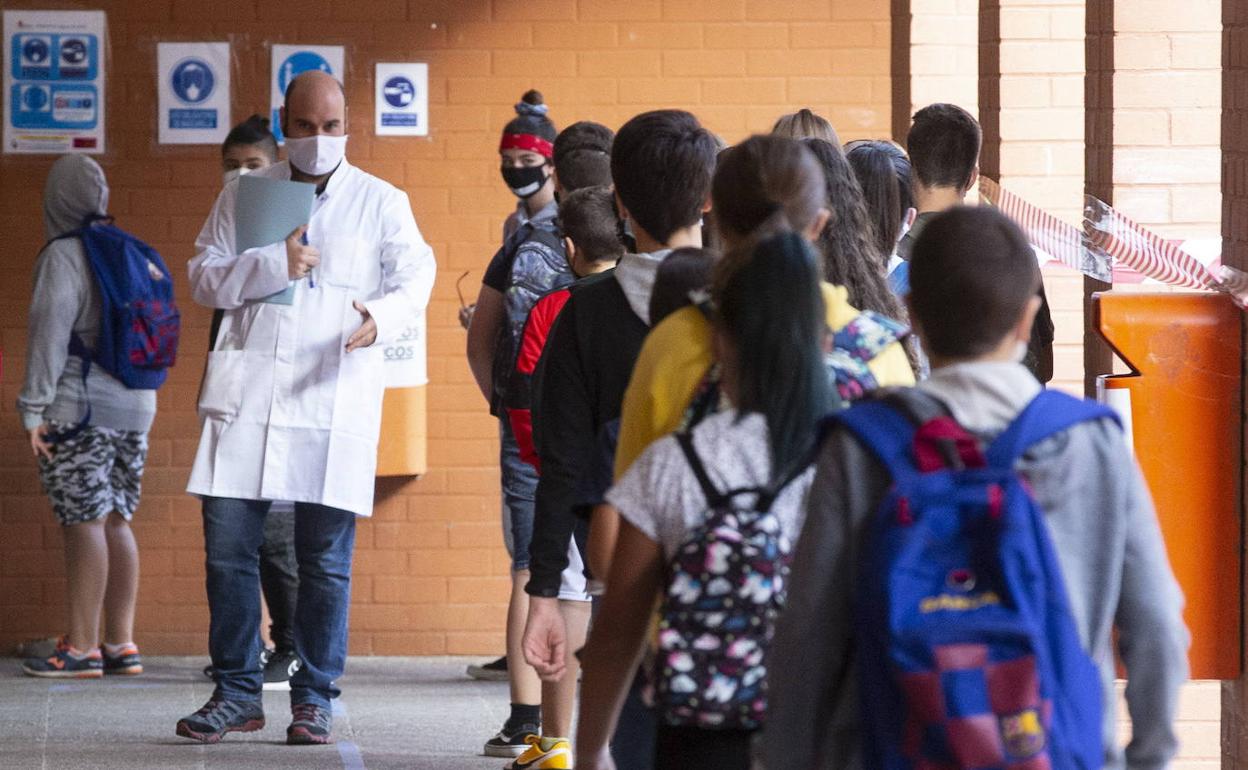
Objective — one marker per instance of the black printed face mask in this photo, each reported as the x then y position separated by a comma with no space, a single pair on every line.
525,181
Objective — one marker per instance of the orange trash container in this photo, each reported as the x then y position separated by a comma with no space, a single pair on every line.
1186,355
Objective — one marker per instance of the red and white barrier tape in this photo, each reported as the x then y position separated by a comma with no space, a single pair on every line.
1049,235
1142,250
1110,241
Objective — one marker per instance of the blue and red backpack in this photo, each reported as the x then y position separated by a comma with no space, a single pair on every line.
139,320
968,655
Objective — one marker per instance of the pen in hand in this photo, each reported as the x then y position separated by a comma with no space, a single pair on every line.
311,271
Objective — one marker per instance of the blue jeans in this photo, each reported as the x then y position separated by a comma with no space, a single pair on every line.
324,541
519,480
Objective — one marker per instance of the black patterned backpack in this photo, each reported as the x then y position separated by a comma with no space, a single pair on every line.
725,588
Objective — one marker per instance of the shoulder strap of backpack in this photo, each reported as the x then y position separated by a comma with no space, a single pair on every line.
545,237
1049,413
887,432
713,496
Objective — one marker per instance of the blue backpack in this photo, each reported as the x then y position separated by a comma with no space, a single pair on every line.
967,651
139,319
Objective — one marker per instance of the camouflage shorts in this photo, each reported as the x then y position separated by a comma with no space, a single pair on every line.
96,472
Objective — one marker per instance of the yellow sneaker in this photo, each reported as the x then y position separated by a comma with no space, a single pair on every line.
557,757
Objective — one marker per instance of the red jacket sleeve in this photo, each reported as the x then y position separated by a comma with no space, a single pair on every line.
532,342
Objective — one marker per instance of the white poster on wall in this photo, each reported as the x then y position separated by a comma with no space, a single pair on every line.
54,81
402,99
289,61
193,87
405,357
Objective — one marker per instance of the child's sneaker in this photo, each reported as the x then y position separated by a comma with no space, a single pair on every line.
310,725
220,716
65,662
511,743
494,671
557,755
123,660
279,667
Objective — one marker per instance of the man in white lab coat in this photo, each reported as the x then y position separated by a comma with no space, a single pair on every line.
291,405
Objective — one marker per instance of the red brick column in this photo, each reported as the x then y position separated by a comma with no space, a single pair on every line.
900,58
1235,254
990,87
1098,175
1235,133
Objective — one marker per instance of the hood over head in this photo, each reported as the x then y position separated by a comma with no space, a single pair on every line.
76,189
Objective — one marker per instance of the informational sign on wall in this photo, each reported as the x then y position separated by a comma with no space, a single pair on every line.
291,60
406,357
402,99
193,83
54,81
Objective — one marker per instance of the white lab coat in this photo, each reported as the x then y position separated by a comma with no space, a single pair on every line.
287,413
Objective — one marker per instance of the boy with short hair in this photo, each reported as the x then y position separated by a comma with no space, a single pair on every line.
661,165
944,144
591,240
531,263
1098,511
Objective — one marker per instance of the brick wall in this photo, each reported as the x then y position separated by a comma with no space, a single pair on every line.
1042,66
430,571
1167,93
944,45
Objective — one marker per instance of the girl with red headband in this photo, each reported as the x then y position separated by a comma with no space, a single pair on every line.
526,153
527,147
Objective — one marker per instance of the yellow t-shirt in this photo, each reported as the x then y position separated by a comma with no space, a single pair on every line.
676,356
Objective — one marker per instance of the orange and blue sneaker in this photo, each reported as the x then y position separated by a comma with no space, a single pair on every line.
544,754
66,662
123,660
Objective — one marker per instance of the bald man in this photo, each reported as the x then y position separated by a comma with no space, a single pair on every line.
291,405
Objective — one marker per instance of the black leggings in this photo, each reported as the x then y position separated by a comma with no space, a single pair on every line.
693,748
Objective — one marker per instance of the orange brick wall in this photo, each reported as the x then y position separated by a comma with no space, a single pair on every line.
430,571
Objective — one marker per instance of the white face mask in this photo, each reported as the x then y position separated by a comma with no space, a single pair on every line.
235,173
316,155
1020,351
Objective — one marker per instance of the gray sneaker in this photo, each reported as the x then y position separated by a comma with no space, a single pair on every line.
310,725
220,716
494,671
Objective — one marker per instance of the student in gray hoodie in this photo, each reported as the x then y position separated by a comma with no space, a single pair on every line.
1098,510
92,478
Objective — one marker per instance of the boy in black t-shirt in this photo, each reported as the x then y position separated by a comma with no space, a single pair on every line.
944,144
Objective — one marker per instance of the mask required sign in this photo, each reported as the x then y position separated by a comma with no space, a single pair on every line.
193,92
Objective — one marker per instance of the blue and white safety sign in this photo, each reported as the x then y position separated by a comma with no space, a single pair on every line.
193,87
291,60
54,81
402,99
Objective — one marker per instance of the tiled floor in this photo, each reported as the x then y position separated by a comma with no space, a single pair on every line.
408,713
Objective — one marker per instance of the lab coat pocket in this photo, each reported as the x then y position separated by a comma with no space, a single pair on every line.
221,395
351,264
